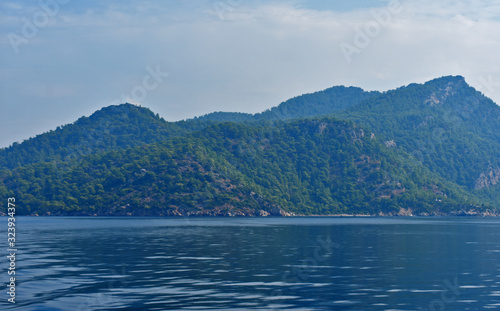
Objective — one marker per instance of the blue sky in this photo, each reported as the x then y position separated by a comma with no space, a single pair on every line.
183,58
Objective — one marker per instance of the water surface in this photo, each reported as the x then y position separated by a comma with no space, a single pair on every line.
66,263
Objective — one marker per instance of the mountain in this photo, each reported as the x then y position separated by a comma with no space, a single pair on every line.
111,128
421,149
320,103
321,166
123,126
445,124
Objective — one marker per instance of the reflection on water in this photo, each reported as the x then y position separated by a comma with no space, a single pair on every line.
260,264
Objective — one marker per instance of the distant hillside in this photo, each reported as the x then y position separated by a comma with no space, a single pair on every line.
445,124
111,128
321,103
303,167
423,149
123,126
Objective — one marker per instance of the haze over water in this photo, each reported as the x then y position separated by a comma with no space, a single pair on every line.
255,264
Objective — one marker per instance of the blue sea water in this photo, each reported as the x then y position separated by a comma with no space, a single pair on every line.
92,263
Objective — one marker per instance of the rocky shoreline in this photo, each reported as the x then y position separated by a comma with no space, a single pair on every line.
281,213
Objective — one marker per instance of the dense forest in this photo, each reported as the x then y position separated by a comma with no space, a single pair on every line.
430,149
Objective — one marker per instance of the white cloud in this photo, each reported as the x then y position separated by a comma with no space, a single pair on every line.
259,54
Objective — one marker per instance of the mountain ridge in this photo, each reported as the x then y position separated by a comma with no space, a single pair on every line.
319,103
424,149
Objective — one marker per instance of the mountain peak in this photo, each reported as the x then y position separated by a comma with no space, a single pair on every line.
450,78
121,108
447,81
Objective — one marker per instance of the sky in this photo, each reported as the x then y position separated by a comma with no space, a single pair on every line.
63,59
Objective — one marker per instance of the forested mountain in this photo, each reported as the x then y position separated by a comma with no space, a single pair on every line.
127,125
111,128
305,167
445,124
320,103
420,149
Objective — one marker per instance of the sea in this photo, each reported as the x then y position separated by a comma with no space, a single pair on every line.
300,263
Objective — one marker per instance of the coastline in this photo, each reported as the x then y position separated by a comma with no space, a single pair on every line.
461,213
